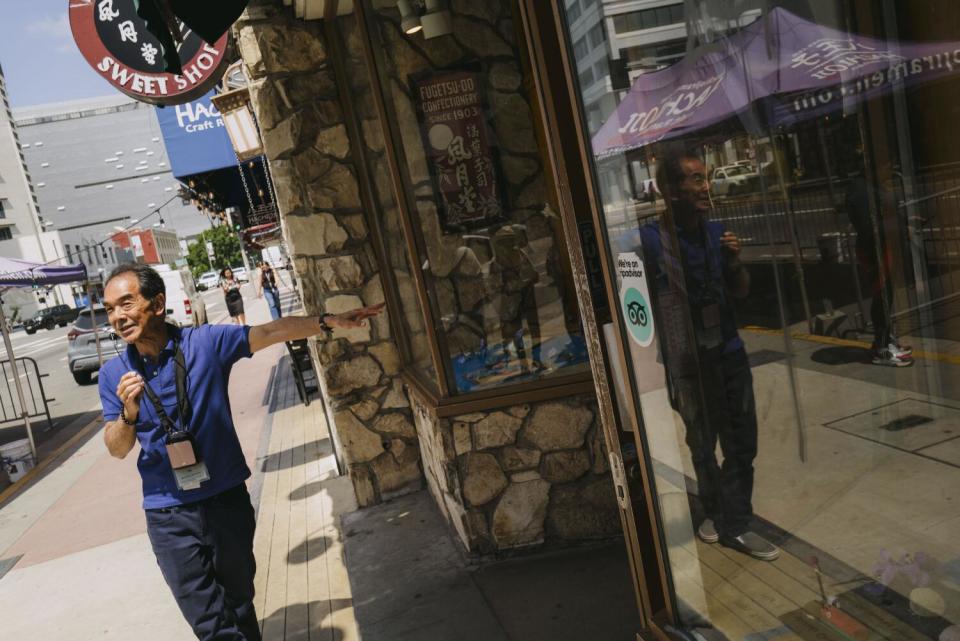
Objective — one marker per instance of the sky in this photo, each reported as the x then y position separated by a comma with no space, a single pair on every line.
40,61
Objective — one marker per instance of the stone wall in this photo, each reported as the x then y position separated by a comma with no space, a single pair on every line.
521,475
327,233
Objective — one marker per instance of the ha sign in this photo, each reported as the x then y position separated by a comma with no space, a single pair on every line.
115,42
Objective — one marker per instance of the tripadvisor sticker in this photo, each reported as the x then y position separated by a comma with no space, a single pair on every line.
635,298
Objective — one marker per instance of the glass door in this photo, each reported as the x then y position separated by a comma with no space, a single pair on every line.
778,186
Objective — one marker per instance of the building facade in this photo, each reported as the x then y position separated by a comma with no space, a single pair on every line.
24,233
100,165
575,347
150,246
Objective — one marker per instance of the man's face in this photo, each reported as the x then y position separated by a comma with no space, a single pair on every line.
129,313
694,190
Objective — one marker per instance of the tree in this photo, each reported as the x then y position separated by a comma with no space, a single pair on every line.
226,250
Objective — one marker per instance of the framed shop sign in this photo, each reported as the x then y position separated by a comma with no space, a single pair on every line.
461,153
116,42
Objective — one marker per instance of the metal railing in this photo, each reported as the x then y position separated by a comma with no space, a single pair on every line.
38,405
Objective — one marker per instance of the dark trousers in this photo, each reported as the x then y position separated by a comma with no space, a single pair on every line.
205,552
725,413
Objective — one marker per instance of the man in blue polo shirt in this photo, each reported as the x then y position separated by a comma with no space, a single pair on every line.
694,270
199,517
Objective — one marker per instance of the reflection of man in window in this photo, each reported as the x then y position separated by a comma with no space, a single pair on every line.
695,263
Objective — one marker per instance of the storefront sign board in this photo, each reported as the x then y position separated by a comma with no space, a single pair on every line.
116,43
459,148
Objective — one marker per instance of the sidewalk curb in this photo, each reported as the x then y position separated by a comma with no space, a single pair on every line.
14,489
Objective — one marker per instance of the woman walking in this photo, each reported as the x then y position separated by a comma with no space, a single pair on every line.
268,287
231,292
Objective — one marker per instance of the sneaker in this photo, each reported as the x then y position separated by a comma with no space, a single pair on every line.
752,544
896,345
891,357
708,532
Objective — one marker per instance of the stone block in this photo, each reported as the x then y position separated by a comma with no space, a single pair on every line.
315,234
333,141
365,409
566,466
289,47
249,48
331,351
487,11
347,376
480,39
585,510
505,76
471,418
355,226
557,426
519,516
526,475
520,411
387,355
518,170
513,123
462,439
359,443
395,424
514,458
339,273
396,397
496,430
303,90
285,138
291,197
470,292
396,477
483,480
334,186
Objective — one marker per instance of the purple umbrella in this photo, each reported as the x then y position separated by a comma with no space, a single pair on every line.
22,273
798,68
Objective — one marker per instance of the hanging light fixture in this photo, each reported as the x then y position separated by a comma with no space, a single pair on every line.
409,21
234,107
436,21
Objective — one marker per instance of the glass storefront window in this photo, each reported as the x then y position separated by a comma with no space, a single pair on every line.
487,235
780,200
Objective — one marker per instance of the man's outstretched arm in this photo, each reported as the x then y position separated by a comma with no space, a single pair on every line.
292,328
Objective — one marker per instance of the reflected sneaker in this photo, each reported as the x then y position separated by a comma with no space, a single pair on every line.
708,532
752,544
892,356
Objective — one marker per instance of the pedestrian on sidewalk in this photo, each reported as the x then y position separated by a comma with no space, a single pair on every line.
267,286
232,295
200,521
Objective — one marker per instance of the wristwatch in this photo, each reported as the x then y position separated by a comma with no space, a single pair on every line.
323,324
123,417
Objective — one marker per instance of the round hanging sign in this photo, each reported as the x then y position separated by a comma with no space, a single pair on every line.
116,43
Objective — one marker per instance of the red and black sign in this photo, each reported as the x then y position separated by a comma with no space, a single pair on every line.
116,43
459,148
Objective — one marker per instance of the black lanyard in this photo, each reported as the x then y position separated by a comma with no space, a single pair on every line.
183,402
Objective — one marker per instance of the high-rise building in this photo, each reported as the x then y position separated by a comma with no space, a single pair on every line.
23,233
100,166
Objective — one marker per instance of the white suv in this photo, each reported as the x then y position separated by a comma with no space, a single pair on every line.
730,180
208,280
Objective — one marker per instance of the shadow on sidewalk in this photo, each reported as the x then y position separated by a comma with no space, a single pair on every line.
49,441
284,459
304,621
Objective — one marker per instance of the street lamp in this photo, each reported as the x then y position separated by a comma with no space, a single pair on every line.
234,107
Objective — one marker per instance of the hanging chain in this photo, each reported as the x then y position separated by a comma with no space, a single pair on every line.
269,178
246,189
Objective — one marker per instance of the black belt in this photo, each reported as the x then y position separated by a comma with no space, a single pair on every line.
237,490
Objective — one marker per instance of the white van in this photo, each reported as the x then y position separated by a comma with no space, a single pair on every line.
185,307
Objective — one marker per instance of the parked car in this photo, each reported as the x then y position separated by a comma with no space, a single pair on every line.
50,317
208,280
185,307
240,274
730,180
82,358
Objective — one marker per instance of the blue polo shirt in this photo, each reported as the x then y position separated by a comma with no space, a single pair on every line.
209,353
705,267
